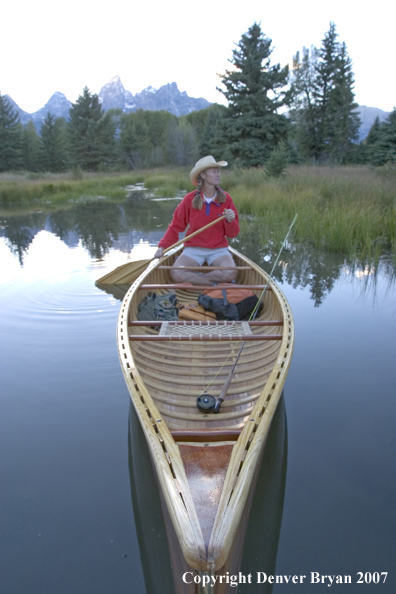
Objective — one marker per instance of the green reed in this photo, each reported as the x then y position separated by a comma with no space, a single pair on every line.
352,210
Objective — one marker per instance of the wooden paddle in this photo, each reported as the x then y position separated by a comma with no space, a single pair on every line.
127,273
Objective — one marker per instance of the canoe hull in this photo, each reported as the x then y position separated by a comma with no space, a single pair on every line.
164,380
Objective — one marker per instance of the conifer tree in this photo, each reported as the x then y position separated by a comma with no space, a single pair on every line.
255,91
304,111
91,133
53,145
383,150
30,147
324,109
10,137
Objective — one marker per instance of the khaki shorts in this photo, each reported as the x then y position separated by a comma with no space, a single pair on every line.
201,255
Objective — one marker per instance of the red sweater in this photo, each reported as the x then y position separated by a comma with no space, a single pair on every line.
213,238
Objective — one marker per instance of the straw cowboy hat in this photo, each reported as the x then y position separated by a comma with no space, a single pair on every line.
201,165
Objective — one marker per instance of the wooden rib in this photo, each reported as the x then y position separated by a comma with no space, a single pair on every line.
192,403
247,372
205,337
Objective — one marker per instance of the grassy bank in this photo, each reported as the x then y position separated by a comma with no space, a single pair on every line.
347,209
58,188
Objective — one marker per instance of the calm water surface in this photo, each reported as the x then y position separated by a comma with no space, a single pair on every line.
79,510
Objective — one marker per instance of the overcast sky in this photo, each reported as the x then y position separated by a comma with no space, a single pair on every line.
48,46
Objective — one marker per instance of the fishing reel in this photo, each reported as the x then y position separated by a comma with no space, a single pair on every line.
208,403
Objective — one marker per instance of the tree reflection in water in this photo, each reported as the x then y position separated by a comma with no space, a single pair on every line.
101,225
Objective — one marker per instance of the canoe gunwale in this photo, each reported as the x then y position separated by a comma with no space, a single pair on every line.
165,452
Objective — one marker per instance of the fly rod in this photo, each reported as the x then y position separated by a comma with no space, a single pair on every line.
224,389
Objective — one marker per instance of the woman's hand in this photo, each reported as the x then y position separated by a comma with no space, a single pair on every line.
158,253
229,215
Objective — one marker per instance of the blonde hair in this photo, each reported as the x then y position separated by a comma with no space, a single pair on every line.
198,199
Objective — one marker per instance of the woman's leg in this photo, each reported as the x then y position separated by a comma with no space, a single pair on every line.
188,276
223,276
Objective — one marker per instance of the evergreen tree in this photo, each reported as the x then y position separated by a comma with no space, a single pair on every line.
30,147
10,137
255,91
207,144
324,109
134,139
383,150
53,144
304,112
91,133
343,121
323,88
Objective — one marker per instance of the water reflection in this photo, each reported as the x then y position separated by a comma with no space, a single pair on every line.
101,227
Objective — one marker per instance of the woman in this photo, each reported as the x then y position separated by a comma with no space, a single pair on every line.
197,209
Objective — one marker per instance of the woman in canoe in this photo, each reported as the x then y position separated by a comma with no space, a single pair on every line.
197,209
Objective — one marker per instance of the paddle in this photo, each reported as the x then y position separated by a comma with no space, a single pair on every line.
129,272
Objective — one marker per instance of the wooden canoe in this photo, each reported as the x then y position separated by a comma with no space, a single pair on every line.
206,464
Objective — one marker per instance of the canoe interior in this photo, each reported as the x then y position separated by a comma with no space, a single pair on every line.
176,373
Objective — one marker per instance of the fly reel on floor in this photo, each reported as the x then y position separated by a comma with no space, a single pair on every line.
206,403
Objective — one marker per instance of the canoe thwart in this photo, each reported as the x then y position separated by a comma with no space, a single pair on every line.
190,287
205,268
198,323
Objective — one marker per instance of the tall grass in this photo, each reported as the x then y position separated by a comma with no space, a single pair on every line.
347,209
352,210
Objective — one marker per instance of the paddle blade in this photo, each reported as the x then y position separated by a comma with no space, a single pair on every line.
125,274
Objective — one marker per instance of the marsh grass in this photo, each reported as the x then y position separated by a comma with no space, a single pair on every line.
58,188
345,209
351,210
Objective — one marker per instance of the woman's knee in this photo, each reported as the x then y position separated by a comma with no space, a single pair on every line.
177,274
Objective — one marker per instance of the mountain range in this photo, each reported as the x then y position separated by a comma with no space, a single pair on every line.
113,95
168,97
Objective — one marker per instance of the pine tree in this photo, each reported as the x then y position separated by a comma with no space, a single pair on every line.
383,150
343,120
53,145
323,87
30,147
304,111
10,137
324,110
91,133
255,91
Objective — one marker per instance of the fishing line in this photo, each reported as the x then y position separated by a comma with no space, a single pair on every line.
252,317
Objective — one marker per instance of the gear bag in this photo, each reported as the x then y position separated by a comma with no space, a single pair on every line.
161,308
229,311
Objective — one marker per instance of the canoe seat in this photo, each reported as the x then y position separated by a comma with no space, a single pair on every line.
205,435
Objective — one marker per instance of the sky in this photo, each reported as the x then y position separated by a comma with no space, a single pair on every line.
65,46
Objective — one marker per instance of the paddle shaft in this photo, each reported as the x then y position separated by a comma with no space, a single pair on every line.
193,234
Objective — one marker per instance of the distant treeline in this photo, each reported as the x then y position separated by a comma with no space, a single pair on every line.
274,117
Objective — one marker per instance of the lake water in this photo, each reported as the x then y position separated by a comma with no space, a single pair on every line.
76,519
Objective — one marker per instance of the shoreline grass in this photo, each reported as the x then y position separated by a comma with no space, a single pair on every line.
345,209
